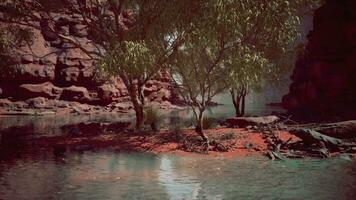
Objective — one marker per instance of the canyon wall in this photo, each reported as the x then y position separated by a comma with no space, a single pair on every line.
324,78
51,72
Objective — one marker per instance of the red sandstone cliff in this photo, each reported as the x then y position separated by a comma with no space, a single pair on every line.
53,72
324,78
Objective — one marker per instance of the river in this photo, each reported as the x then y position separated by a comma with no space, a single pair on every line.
105,174
112,175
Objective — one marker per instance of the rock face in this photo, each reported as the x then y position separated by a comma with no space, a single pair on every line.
324,78
54,69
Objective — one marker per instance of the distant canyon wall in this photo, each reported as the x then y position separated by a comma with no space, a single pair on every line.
324,78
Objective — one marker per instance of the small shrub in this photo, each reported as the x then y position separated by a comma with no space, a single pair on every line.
227,136
153,118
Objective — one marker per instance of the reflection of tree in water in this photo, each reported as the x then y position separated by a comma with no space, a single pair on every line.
51,125
177,185
142,182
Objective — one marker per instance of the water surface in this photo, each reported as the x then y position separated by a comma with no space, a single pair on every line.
43,174
113,175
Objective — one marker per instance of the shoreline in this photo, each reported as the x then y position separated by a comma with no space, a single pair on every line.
245,143
240,142
271,140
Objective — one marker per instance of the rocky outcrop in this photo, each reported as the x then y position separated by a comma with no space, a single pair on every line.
324,78
53,68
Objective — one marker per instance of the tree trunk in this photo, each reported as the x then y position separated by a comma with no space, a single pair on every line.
243,104
138,107
137,98
139,114
237,107
140,92
236,99
199,127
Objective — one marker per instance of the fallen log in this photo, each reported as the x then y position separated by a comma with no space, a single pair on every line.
340,130
275,155
243,122
313,137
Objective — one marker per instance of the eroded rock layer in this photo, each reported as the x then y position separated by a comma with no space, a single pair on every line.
52,69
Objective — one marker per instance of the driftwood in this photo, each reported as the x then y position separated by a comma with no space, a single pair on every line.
276,155
317,140
243,122
340,130
312,137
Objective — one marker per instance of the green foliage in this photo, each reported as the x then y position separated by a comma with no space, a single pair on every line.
266,32
246,68
234,44
202,41
153,118
11,38
5,43
129,59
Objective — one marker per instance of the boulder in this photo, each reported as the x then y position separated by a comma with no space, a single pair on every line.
163,95
122,106
149,90
107,93
31,73
65,62
243,122
70,75
74,93
47,90
5,103
80,108
38,102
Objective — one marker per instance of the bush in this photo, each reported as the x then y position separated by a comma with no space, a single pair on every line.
227,136
153,118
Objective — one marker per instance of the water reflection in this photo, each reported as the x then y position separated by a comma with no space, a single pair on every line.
51,125
111,175
178,186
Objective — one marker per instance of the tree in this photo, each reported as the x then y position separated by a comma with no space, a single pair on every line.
132,39
268,38
196,74
245,71
12,36
239,39
197,69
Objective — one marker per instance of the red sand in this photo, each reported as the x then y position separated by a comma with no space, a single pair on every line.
245,143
